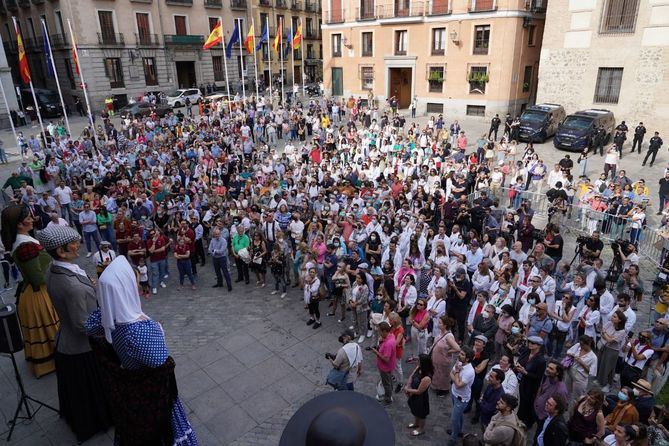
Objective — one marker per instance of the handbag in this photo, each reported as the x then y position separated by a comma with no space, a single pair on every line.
337,378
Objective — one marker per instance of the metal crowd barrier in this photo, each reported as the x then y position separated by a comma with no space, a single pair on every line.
581,220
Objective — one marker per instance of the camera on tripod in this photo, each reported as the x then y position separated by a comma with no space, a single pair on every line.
582,240
623,245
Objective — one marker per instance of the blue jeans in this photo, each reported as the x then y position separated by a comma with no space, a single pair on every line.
158,271
185,269
92,235
634,236
456,419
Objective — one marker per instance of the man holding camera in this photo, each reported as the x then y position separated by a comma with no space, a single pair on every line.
592,248
348,358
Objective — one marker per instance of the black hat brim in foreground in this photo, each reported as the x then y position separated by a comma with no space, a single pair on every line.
364,412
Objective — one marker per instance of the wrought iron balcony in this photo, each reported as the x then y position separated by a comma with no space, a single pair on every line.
296,5
281,4
239,5
111,39
24,3
312,6
11,5
266,3
335,16
147,39
213,3
312,34
58,40
179,2
400,9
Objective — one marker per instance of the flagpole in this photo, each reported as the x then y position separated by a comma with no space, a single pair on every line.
55,73
11,121
83,84
269,58
292,53
225,64
255,56
32,89
283,94
304,91
241,56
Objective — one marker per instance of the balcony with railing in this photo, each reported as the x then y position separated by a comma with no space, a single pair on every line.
335,16
281,4
33,44
297,54
400,9
312,6
296,5
213,3
58,40
238,5
367,11
10,47
11,5
37,2
440,7
482,5
266,3
111,39
24,3
179,2
146,39
312,34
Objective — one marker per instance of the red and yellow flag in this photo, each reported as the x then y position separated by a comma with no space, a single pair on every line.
277,40
24,69
248,42
215,37
297,38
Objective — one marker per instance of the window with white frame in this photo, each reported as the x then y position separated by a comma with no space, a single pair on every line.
367,77
438,41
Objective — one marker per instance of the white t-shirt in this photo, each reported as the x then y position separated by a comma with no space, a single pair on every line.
64,195
645,350
590,359
467,375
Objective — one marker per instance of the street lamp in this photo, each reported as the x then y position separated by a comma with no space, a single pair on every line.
454,37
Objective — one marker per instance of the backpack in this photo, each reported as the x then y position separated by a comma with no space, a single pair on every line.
520,435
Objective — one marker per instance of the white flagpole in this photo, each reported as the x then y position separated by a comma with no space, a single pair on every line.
241,56
283,94
225,64
55,73
269,58
11,121
292,53
304,91
32,89
83,84
255,55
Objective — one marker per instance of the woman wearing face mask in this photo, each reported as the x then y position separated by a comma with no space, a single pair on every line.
624,412
484,324
418,320
504,324
530,368
515,340
373,246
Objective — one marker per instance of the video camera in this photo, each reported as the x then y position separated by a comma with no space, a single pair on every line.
623,245
582,240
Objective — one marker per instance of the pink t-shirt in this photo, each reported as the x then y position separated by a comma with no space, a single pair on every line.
387,348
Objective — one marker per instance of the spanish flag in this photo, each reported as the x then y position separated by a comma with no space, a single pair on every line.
277,40
24,69
248,42
215,37
297,38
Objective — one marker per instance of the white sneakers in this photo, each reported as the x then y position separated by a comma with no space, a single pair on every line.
89,254
162,285
361,339
369,333
274,292
154,291
283,295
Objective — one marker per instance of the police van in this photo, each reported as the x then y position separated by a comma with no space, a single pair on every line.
575,131
540,122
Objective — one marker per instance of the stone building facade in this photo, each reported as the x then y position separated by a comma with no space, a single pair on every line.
608,54
129,47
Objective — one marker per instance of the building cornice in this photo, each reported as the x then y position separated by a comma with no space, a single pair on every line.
436,18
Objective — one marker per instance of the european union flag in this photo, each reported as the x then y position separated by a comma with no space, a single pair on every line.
263,38
47,54
233,40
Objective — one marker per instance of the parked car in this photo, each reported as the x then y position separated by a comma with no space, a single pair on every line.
143,109
575,131
540,122
177,98
48,101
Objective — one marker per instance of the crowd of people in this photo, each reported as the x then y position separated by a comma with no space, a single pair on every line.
419,243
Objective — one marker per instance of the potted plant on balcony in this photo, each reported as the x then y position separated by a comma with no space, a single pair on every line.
435,76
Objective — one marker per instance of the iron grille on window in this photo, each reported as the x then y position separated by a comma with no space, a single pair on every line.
609,81
476,110
367,75
435,77
619,16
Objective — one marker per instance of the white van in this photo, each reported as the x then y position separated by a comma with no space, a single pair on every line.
178,98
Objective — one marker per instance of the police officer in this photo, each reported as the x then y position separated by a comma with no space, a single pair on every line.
639,133
507,125
619,140
600,138
494,126
653,146
622,127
